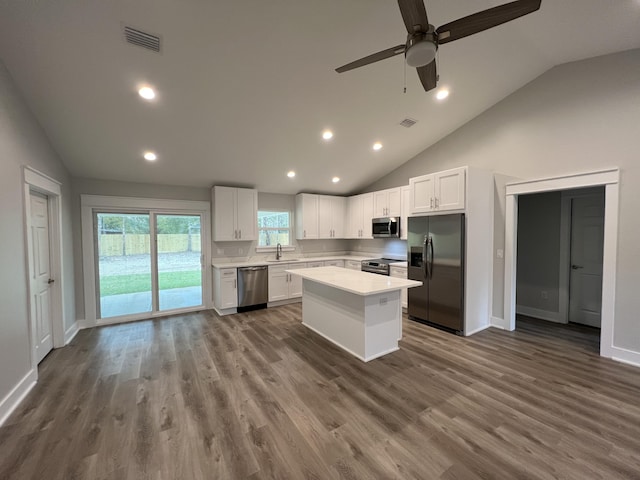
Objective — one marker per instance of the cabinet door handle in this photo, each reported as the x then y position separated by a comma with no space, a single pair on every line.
436,202
235,283
304,234
239,233
431,203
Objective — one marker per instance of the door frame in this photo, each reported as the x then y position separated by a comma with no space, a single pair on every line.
89,203
610,180
35,181
565,246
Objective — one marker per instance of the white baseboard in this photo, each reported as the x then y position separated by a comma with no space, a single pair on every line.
501,323
71,332
626,356
476,330
83,323
17,394
539,313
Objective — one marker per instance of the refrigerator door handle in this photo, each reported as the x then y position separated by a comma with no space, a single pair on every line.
424,257
431,261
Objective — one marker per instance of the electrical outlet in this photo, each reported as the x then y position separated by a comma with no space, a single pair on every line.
500,253
383,301
220,251
544,294
240,251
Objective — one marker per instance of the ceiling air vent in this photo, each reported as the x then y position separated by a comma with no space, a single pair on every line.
141,39
408,122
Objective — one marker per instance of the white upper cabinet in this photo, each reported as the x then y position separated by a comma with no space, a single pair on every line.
235,214
387,203
367,215
306,216
438,192
450,189
360,215
331,216
354,207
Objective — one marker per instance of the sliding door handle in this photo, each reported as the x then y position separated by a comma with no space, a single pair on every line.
576,267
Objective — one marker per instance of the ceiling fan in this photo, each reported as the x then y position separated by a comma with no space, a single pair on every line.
423,39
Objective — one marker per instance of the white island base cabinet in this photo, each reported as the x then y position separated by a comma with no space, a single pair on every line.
358,311
367,327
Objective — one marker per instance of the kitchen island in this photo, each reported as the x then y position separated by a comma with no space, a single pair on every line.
358,311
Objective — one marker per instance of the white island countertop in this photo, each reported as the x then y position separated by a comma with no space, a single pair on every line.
354,281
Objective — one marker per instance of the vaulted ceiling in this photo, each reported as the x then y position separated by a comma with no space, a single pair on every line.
246,87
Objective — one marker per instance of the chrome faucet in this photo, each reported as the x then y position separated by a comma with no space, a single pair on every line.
278,252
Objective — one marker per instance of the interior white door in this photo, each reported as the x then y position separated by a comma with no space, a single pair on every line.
41,274
587,237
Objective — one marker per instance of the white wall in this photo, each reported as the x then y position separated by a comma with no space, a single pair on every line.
23,142
577,117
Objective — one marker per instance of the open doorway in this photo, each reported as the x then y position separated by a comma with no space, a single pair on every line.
560,242
609,180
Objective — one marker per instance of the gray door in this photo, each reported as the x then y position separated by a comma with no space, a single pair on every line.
587,240
445,262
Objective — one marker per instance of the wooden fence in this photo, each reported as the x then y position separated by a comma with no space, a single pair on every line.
139,244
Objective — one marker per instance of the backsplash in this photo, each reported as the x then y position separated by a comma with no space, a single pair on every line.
380,247
246,251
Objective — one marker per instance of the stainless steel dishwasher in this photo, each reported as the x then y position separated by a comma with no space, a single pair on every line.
253,287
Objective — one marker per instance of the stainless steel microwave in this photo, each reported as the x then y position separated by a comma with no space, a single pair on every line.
387,227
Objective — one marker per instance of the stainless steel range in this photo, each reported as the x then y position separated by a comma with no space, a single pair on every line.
378,265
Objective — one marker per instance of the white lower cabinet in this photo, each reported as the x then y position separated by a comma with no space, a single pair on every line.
334,263
315,264
283,285
400,272
225,285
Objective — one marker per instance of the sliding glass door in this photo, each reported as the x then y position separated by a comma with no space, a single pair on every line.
124,264
147,262
179,266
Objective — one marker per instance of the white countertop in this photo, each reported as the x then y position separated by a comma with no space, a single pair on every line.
285,261
354,281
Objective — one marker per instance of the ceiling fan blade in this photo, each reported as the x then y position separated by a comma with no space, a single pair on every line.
428,76
414,14
484,20
375,57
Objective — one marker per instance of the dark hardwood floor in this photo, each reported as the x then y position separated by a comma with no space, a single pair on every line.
256,395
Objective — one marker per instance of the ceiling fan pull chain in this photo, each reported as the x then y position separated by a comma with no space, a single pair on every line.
405,76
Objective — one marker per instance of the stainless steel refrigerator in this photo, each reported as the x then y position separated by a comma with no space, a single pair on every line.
435,256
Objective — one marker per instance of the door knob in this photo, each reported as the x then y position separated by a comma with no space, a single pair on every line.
576,267
50,281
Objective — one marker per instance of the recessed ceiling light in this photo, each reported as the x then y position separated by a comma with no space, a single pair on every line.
150,156
377,146
291,174
442,94
327,134
147,93
335,179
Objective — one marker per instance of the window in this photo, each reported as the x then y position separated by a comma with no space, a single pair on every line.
273,228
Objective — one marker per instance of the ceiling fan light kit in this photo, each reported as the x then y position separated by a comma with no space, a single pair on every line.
421,53
423,39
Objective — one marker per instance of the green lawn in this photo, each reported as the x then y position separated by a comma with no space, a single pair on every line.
141,282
